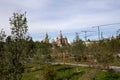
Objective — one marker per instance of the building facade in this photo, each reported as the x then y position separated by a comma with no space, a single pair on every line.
60,40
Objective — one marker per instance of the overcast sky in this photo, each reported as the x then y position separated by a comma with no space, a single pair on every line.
67,15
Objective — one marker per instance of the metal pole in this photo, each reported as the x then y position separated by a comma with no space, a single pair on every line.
99,32
85,35
101,35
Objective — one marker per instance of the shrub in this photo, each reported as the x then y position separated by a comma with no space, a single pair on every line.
48,72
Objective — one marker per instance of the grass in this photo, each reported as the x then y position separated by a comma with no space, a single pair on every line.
107,75
74,73
31,76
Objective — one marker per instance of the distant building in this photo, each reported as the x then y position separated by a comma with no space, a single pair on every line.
61,41
46,40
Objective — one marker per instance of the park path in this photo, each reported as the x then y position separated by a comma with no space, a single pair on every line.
115,68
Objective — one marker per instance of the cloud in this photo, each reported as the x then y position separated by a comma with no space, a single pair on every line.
75,22
76,14
66,15
31,4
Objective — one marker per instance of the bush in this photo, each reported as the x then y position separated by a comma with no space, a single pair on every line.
111,75
48,72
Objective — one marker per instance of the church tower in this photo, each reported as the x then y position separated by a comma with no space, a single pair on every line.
59,39
46,38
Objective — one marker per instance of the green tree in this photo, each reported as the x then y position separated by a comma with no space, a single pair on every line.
19,25
43,52
2,54
78,48
16,48
2,35
103,54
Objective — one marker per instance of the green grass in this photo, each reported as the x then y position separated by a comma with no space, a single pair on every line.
31,76
32,72
74,73
107,75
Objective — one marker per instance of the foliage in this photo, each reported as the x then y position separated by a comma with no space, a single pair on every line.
31,76
2,54
77,48
15,50
19,25
111,75
105,54
43,52
2,35
19,49
48,72
69,72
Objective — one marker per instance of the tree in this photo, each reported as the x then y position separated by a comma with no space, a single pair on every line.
103,54
16,48
2,35
78,48
2,54
19,25
43,52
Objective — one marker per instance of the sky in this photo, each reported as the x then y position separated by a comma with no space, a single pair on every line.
69,16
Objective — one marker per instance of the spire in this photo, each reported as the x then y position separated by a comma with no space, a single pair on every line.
60,34
46,38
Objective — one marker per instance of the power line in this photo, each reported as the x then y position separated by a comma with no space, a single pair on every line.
98,27
99,31
86,34
106,24
117,32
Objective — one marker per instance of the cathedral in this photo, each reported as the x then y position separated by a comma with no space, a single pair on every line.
60,40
